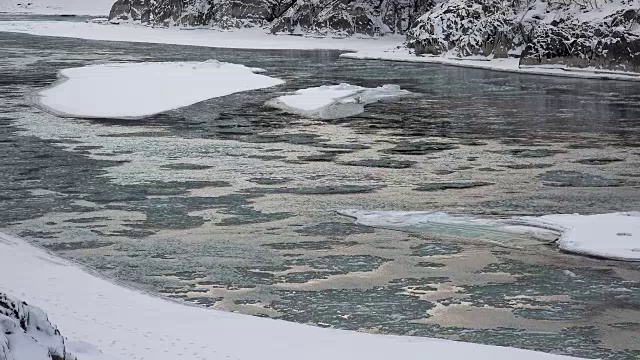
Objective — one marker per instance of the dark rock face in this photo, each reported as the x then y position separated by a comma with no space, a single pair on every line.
490,27
603,45
461,28
322,17
349,17
466,27
25,326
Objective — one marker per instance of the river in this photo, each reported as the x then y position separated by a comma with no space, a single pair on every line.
229,204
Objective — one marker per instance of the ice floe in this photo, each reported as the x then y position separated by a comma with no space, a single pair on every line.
131,90
334,101
104,321
614,236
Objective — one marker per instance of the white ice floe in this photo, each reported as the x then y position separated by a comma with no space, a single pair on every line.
614,235
104,321
334,101
129,90
57,7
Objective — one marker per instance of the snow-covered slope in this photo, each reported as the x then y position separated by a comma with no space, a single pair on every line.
104,321
57,7
27,334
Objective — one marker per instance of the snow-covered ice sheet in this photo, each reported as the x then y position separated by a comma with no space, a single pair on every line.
129,90
614,235
57,7
104,321
334,101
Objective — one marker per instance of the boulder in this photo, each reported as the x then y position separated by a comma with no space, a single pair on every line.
466,28
27,334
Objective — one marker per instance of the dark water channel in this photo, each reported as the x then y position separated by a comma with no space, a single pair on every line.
230,204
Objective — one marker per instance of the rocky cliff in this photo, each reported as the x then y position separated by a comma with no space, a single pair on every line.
311,16
603,34
27,334
598,34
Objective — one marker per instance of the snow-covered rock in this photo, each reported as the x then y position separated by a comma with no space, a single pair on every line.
601,34
27,334
609,41
290,16
466,28
334,101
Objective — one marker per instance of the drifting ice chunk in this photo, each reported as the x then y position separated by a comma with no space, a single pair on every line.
129,90
614,236
501,232
334,101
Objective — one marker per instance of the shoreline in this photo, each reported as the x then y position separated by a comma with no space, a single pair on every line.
102,318
386,48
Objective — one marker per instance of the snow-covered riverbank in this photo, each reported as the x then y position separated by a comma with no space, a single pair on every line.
105,321
389,48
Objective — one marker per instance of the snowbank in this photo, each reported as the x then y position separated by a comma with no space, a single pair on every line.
334,101
253,38
130,90
106,321
57,7
613,236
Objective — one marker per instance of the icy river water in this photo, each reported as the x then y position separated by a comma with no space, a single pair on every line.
232,205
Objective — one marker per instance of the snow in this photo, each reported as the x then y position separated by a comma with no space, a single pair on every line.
614,235
129,90
105,321
57,7
334,101
251,38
